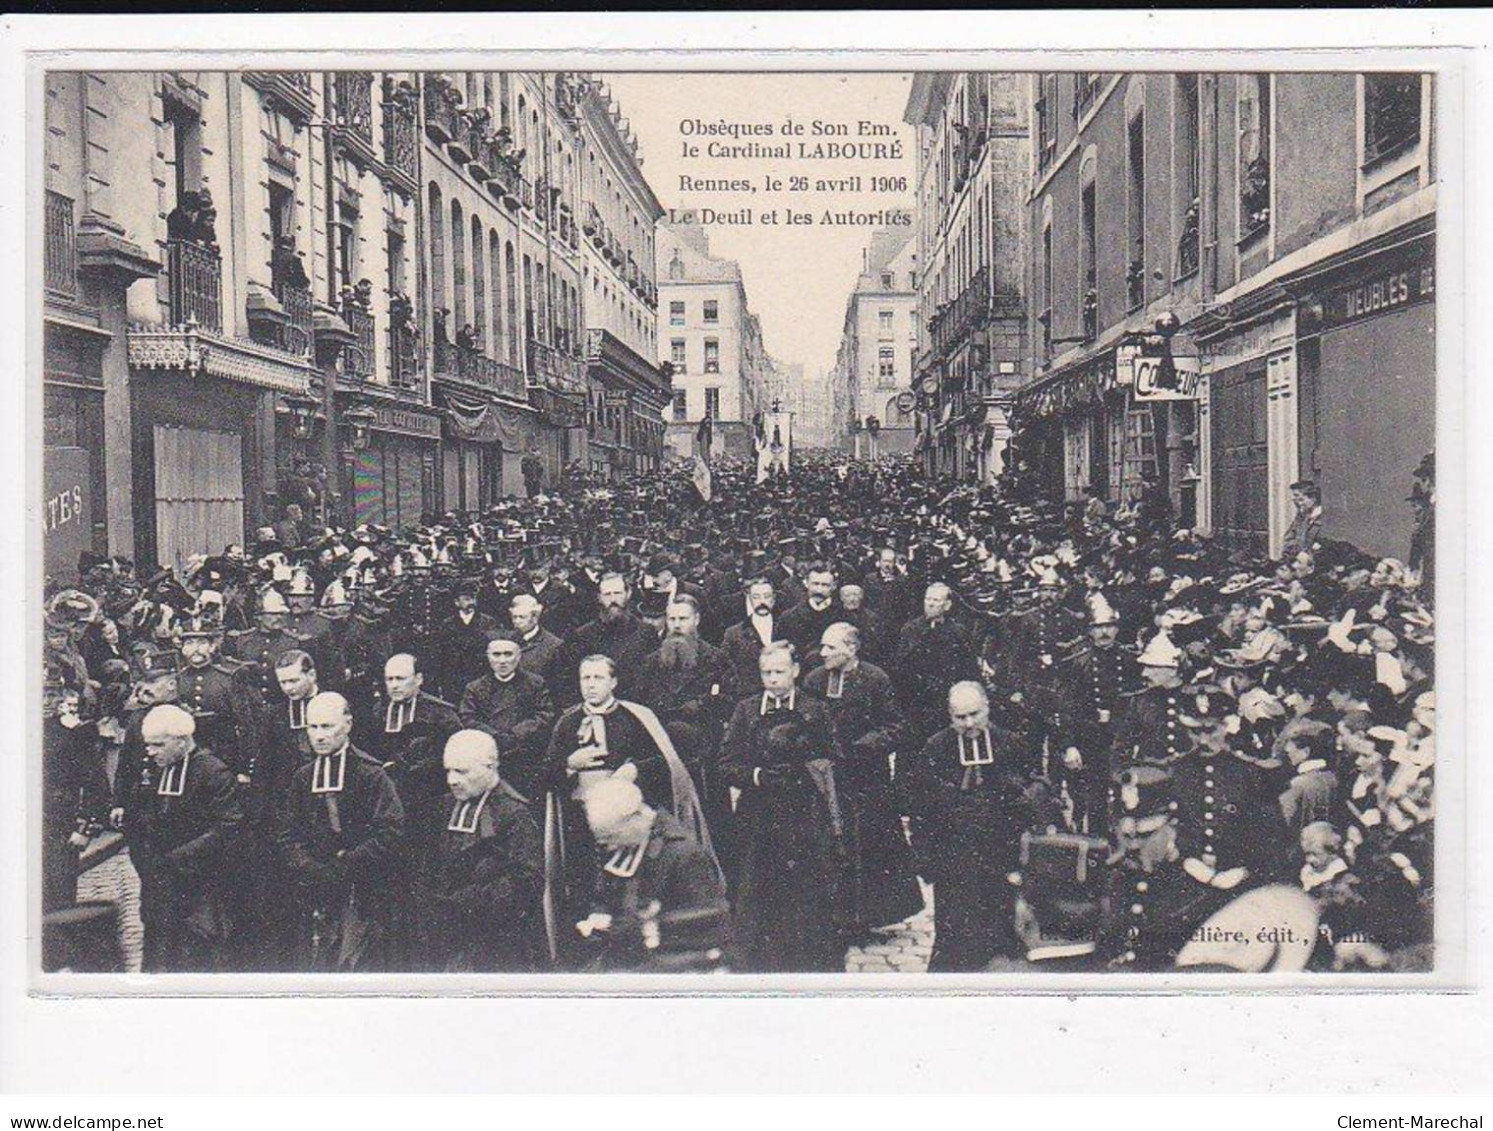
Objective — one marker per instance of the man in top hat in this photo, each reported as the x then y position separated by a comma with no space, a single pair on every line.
889,590
482,879
589,742
882,885
408,736
340,837
185,820
540,645
516,708
1093,682
969,801
803,626
781,750
614,632
1305,530
933,653
462,643
743,642
659,904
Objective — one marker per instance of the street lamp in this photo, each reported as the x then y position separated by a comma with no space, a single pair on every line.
359,421
302,412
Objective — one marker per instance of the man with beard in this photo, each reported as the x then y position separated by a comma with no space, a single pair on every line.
615,633
184,823
483,878
780,750
933,653
540,645
591,741
969,807
804,625
340,837
882,885
689,685
515,707
743,642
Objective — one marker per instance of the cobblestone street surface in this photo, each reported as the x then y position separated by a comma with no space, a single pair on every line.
116,880
903,949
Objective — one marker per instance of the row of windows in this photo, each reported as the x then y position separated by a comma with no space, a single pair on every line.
680,406
1391,125
710,311
679,359
551,305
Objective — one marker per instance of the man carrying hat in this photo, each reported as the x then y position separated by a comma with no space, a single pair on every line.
185,821
481,880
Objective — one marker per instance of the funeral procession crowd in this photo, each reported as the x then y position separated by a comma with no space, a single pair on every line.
616,728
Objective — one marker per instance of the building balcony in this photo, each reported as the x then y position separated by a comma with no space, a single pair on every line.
526,193
442,109
286,91
194,285
404,357
969,311
283,319
549,367
469,366
61,251
358,358
401,134
352,111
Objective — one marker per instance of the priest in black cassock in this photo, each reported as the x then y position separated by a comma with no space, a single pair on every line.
882,886
781,750
590,742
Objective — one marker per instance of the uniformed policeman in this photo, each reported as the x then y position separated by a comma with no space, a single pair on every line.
1152,730
1094,681
218,693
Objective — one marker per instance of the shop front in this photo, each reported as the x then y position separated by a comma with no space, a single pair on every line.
483,448
391,480
202,418
1367,346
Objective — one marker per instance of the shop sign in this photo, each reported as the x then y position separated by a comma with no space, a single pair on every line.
1146,379
1388,288
405,422
67,511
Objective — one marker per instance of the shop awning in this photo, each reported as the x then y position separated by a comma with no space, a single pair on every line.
1080,386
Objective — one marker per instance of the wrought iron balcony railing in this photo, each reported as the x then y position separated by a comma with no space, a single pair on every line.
352,97
358,358
295,336
194,276
442,121
401,132
61,257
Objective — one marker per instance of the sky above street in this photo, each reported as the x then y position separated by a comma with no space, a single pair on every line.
797,277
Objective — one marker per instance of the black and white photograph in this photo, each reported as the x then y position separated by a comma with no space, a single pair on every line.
592,522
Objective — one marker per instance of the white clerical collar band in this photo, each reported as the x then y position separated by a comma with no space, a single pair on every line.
778,703
835,687
298,713
975,749
624,862
329,772
604,709
174,780
399,715
532,634
464,814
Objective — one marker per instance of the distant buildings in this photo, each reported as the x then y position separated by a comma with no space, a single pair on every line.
871,393
712,340
972,181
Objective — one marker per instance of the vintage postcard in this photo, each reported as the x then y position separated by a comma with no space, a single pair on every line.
596,525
